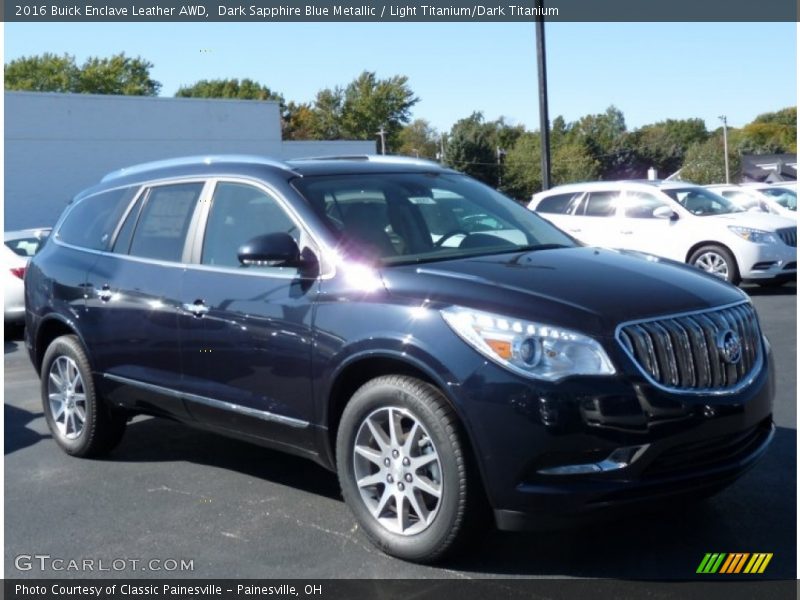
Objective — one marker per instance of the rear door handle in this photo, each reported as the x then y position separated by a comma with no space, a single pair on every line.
198,308
574,230
626,232
105,293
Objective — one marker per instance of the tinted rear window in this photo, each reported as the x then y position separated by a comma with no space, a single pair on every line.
556,204
92,221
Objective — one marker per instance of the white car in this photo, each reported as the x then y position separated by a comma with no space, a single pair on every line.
18,247
679,221
764,197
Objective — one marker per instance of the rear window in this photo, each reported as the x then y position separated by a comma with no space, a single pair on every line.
557,204
601,204
91,222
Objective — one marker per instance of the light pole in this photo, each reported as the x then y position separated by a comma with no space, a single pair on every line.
544,121
724,120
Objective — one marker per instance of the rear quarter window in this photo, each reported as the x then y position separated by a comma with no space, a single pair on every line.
92,221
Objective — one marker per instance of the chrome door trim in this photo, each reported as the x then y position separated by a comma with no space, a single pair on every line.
212,402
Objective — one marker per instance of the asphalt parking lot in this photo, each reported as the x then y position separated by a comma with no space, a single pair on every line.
235,510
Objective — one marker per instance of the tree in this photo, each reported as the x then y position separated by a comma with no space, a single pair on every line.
245,89
369,104
44,73
118,74
522,169
663,145
470,150
418,138
604,136
300,122
573,162
770,133
328,114
705,162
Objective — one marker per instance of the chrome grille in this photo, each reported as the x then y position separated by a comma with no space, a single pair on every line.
789,236
682,352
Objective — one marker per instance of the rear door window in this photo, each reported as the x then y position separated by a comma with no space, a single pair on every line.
601,204
162,226
556,204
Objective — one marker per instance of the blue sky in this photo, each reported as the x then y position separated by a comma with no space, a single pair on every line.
651,71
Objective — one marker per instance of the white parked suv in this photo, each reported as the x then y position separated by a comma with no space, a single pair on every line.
774,199
680,221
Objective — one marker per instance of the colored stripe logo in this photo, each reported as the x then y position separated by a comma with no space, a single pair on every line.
734,563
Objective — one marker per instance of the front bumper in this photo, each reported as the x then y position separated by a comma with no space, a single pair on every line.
764,262
686,445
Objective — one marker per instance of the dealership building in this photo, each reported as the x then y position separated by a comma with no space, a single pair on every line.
58,144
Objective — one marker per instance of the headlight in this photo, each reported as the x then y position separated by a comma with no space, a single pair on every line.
757,236
531,349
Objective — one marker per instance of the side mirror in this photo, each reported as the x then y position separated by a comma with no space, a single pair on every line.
665,212
272,249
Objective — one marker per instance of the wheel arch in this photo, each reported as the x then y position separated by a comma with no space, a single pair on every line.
52,327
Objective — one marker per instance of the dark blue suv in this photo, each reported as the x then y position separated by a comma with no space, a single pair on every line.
440,347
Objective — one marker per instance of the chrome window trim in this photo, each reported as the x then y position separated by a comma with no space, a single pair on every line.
212,402
745,382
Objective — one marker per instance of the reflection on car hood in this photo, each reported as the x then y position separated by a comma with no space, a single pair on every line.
757,220
588,289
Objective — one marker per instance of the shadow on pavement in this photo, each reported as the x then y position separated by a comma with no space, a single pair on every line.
157,440
788,289
17,433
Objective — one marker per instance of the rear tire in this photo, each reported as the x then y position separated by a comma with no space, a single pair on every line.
717,261
79,420
402,441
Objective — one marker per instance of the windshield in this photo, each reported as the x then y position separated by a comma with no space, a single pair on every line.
701,202
415,217
786,198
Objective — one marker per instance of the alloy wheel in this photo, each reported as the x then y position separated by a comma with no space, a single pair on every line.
67,397
398,471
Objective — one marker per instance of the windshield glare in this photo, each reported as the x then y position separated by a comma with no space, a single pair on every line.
416,217
701,202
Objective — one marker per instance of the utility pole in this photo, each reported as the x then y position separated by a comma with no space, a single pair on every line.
724,120
500,156
382,132
544,121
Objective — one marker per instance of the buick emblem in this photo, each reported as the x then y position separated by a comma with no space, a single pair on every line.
730,347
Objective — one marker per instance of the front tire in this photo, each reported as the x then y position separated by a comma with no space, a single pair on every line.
402,467
717,261
79,420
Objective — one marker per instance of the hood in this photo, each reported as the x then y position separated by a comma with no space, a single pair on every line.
756,220
586,289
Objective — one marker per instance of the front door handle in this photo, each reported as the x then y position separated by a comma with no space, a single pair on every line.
626,232
574,230
105,293
198,308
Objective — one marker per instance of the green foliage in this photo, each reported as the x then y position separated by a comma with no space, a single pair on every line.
522,171
572,162
663,145
705,162
245,89
299,122
119,74
770,133
418,138
470,150
44,73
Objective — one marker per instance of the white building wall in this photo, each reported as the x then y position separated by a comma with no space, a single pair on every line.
58,144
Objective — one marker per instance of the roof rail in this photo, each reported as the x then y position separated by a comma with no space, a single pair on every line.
195,160
376,158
